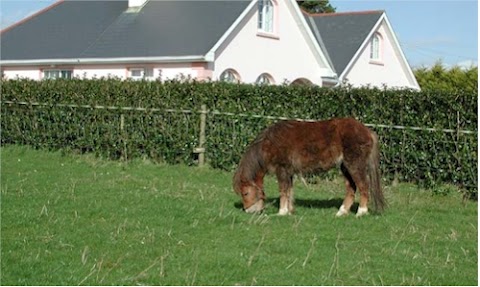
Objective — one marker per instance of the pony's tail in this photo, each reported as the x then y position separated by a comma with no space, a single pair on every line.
375,178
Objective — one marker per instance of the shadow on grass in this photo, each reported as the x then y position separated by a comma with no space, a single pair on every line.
305,203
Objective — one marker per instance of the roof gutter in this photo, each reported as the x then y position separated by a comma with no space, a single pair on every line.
333,81
121,60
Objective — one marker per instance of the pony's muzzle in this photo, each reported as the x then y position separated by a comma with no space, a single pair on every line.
256,207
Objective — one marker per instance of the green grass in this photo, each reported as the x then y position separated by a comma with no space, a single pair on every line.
80,220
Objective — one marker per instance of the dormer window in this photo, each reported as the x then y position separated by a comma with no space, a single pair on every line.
376,48
265,16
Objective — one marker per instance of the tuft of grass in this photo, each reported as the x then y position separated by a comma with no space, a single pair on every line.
81,220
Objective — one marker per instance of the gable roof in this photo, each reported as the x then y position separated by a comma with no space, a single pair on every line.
109,29
342,34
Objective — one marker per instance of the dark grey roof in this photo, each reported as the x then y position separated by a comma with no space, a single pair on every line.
342,34
106,29
63,31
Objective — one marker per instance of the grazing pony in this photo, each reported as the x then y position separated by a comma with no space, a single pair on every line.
290,147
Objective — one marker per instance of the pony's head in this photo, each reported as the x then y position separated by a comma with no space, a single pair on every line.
253,197
246,181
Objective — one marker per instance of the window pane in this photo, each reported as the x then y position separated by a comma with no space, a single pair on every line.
137,73
263,79
268,16
260,14
57,74
375,48
265,15
66,74
228,76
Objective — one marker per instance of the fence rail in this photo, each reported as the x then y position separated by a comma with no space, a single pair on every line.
206,111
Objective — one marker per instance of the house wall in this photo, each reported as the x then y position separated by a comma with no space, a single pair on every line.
90,72
285,55
23,72
390,71
155,71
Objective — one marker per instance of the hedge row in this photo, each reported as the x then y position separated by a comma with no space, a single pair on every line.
427,157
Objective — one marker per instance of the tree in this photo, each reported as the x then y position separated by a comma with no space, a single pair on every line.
438,77
317,6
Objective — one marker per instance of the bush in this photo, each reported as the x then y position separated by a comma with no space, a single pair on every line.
237,113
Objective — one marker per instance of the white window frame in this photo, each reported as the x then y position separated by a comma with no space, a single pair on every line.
266,16
144,73
376,48
57,74
133,71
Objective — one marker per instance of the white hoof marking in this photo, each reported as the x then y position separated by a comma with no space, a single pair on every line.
283,211
362,211
342,211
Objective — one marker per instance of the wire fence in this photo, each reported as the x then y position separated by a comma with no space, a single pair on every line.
218,113
411,153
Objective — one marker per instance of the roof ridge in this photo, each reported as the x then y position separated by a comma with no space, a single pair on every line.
28,18
365,12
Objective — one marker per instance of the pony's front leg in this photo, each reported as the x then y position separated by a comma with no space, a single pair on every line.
259,182
285,183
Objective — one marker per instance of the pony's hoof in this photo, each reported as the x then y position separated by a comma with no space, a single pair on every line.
342,211
284,211
362,211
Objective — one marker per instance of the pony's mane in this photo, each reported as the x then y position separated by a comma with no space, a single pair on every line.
252,160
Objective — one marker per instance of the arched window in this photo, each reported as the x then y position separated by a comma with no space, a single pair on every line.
302,82
265,16
230,76
264,79
376,47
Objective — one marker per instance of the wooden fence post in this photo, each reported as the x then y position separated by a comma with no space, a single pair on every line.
201,141
122,133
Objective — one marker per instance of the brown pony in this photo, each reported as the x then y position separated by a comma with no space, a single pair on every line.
290,147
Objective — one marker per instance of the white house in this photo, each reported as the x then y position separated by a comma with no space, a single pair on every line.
254,41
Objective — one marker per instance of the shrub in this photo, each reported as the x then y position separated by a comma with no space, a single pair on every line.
237,113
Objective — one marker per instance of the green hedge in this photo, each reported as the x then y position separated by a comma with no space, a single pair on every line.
427,157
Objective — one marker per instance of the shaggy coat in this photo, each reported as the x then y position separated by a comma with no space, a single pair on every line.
291,147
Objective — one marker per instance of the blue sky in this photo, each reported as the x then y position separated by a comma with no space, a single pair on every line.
428,30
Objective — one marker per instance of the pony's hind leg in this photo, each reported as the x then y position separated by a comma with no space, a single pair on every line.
349,194
363,208
285,183
361,180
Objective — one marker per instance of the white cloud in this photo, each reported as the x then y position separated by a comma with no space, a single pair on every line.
467,64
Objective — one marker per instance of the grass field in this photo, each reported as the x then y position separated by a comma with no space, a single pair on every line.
80,220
